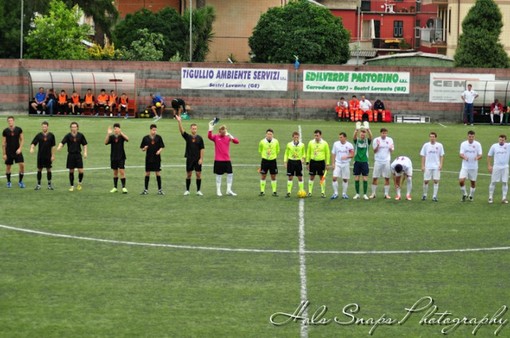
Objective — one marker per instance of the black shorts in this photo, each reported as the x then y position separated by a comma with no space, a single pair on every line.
74,161
294,168
268,166
44,162
16,158
317,167
360,168
152,166
176,104
118,164
193,165
222,167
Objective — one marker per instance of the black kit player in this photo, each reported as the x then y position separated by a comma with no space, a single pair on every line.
179,106
45,154
153,145
12,143
116,138
194,155
74,140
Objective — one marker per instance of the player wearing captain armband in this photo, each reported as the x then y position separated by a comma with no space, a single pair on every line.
341,155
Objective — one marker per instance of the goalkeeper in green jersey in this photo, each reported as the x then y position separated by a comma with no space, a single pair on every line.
293,160
317,160
269,148
362,139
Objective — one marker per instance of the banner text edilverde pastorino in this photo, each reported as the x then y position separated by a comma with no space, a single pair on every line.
367,82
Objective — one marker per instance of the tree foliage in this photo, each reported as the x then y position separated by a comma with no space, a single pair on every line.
479,45
166,22
202,21
58,35
149,47
303,29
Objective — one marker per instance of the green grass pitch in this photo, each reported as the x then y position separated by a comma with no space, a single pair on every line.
114,265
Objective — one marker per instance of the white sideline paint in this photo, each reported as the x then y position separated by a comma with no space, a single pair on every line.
246,250
302,257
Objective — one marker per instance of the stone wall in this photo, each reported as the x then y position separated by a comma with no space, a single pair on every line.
164,77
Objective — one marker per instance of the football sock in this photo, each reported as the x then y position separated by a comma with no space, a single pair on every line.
386,190
409,185
472,191
158,179
436,188
80,177
425,189
505,190
115,182
49,176
8,175
199,183
397,191
262,185
374,188
71,179
301,185
21,177
123,182
218,182
345,185
147,178
492,187
463,190
274,185
188,183
39,176
356,186
289,186
365,187
323,188
335,187
310,186
230,179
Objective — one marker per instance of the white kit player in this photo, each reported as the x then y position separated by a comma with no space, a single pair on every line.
498,167
432,156
383,148
341,155
402,168
470,153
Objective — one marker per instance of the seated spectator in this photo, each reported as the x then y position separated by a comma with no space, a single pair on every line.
365,109
379,111
39,102
75,103
62,103
102,102
157,106
353,107
112,102
342,110
497,108
51,101
89,101
123,105
179,106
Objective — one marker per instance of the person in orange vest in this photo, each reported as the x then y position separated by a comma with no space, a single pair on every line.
342,110
123,105
353,108
75,103
89,102
102,102
62,103
112,102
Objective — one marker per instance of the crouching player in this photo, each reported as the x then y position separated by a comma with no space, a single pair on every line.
402,167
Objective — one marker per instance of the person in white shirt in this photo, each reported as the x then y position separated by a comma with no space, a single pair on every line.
383,148
468,96
341,155
365,107
470,153
402,167
497,162
432,155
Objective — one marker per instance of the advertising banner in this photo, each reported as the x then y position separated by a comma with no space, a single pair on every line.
448,87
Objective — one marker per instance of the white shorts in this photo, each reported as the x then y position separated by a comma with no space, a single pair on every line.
432,174
470,174
342,172
382,169
499,175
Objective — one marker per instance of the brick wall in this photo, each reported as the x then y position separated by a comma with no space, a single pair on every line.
164,77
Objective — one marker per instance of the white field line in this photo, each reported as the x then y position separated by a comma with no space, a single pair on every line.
302,258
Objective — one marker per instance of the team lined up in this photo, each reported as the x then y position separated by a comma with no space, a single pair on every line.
316,156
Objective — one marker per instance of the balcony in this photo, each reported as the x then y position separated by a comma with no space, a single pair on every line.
434,2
